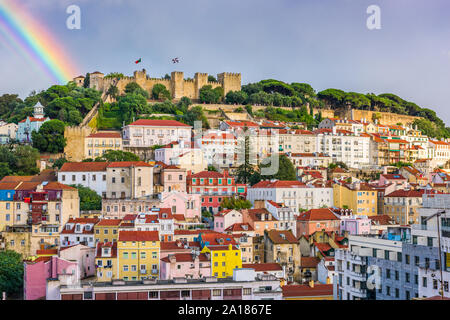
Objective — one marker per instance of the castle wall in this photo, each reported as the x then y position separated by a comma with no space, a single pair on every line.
177,85
386,117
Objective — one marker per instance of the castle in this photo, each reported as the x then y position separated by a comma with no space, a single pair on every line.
177,85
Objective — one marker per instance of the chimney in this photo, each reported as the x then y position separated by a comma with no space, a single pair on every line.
311,283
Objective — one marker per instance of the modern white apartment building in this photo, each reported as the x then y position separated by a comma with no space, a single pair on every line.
344,146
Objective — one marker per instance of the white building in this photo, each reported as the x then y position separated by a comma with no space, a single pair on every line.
219,148
8,132
147,133
78,231
344,146
88,174
294,194
286,216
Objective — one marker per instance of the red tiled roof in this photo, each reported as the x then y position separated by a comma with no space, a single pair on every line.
126,164
8,185
158,123
138,236
33,119
109,222
406,193
177,245
259,267
304,290
276,236
47,251
83,166
198,231
323,247
57,186
208,174
241,124
273,203
309,262
112,245
317,214
17,179
383,219
239,227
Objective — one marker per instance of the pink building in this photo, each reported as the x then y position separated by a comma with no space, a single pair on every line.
226,218
317,220
355,224
173,178
183,203
38,271
83,255
183,265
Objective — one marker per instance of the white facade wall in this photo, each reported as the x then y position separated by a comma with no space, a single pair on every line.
95,180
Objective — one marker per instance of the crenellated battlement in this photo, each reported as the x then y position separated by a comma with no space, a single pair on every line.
177,85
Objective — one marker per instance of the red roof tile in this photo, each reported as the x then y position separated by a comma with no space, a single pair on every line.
304,290
83,166
317,214
138,236
281,237
309,262
109,222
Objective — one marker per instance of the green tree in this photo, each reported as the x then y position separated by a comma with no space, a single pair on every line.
25,161
245,170
212,168
212,78
286,170
87,80
210,95
112,91
11,272
89,199
59,162
50,137
235,203
117,155
160,91
134,88
196,114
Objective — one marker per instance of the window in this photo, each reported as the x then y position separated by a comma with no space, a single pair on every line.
388,291
407,258
125,255
416,261
217,292
407,277
435,284
153,295
388,273
396,275
247,291
424,282
125,268
397,292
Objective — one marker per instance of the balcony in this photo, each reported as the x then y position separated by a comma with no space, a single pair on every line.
362,293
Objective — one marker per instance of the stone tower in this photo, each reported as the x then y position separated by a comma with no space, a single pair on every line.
200,80
229,81
177,84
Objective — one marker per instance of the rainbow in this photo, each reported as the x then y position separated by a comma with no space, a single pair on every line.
35,42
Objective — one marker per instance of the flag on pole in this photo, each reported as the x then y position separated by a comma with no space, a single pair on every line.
138,61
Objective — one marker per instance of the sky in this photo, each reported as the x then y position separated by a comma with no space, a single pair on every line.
324,43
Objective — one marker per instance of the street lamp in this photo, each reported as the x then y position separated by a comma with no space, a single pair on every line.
438,216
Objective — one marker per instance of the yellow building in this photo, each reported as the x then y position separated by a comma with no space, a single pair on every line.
106,261
138,255
96,144
223,260
107,230
359,197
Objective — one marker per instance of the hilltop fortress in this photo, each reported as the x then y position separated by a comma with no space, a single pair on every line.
177,85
